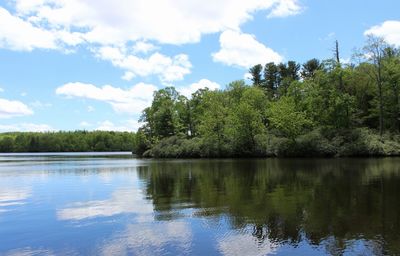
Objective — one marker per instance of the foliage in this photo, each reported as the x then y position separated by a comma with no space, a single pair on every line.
334,110
285,117
78,141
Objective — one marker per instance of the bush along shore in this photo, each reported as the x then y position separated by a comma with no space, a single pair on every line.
316,109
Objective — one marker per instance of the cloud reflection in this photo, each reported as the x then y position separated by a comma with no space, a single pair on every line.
150,239
121,201
12,197
244,244
29,252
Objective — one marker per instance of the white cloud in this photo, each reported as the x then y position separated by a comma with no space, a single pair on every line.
284,8
17,34
144,47
328,37
26,127
389,30
136,25
84,124
172,22
1,89
131,101
12,108
168,69
203,83
243,50
126,126
39,104
128,76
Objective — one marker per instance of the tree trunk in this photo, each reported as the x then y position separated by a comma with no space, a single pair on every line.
341,86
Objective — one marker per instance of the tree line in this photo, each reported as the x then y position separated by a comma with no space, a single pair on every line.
318,108
77,141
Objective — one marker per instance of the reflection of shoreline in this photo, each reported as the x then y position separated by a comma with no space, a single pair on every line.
327,202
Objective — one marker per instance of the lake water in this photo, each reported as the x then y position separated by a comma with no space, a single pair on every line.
98,205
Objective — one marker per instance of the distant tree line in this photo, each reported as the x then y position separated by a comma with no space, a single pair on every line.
318,108
77,141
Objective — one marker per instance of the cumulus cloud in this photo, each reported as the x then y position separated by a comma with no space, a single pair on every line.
131,101
168,69
18,34
203,83
125,126
12,108
172,22
128,76
144,47
39,104
389,30
84,124
243,50
132,24
285,8
26,127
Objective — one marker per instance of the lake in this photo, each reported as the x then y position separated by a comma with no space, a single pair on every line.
98,205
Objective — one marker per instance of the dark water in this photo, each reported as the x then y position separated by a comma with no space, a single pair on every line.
60,205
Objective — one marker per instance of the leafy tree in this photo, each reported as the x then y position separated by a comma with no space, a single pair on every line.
247,120
374,51
285,117
213,124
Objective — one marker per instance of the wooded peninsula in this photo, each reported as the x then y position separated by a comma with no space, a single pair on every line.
317,109
320,108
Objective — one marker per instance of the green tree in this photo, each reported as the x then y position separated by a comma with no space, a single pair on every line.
213,124
310,68
271,78
256,74
374,51
285,117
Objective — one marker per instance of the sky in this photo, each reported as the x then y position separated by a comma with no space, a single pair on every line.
94,64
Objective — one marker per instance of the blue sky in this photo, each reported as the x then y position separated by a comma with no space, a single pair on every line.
85,64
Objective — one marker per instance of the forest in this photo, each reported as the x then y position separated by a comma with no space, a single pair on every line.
77,141
320,108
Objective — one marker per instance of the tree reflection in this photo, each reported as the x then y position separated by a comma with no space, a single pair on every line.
330,202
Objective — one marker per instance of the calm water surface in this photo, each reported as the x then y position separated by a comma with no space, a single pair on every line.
98,205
